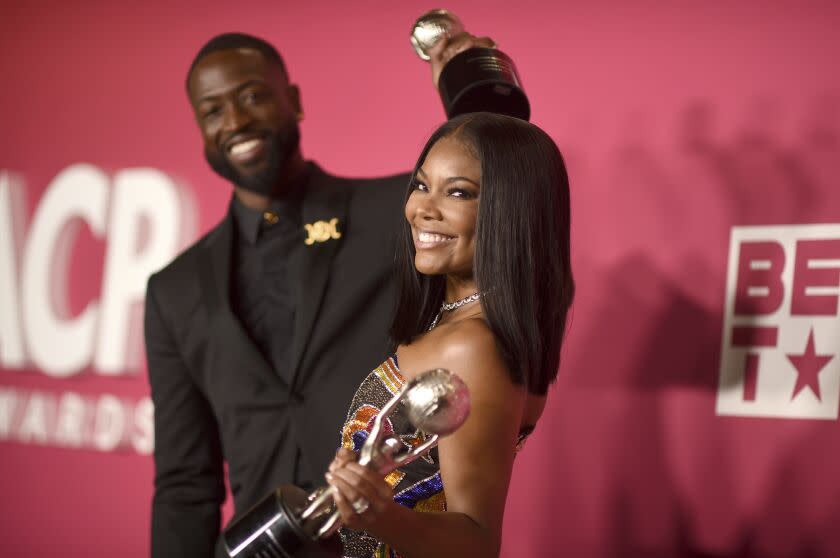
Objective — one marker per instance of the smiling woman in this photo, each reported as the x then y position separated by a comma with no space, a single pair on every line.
485,285
442,209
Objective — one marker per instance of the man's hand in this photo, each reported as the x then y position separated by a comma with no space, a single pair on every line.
447,47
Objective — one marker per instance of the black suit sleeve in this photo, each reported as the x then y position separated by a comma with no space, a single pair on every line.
189,473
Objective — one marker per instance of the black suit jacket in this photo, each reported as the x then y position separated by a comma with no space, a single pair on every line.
218,400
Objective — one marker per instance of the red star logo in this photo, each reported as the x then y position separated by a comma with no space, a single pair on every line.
808,367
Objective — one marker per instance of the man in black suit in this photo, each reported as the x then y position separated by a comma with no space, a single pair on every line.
259,333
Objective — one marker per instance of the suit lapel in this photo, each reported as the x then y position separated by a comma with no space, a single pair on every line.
320,204
237,350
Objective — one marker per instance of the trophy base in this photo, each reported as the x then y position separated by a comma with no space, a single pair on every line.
482,79
271,529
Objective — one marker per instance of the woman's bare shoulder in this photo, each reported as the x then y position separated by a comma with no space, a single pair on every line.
467,348
471,338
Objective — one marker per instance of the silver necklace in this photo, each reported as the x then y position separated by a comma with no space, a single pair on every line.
449,306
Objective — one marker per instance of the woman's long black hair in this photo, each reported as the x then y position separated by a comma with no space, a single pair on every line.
521,263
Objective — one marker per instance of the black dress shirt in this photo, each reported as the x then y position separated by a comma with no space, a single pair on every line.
265,262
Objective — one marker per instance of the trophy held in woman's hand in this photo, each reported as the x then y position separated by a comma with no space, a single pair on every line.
291,524
477,79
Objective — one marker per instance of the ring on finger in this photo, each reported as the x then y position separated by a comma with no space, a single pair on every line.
361,505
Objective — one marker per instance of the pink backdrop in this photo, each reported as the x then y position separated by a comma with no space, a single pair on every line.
679,121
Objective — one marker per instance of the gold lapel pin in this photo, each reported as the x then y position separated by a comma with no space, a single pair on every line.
321,231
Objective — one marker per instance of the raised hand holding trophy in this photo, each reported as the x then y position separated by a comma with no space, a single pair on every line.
291,524
477,79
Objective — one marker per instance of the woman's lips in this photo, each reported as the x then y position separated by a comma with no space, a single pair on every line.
431,240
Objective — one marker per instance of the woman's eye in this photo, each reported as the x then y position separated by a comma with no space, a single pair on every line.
420,186
461,193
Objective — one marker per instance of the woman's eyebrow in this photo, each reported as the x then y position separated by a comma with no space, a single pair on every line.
452,178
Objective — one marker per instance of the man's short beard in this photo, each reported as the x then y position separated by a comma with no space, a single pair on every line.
279,148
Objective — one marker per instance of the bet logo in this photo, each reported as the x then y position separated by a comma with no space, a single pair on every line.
781,328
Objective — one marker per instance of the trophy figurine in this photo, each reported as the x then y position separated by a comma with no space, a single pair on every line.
477,79
291,524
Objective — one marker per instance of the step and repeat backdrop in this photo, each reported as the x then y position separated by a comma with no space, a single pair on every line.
696,412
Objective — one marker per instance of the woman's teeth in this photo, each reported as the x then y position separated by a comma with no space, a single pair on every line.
431,237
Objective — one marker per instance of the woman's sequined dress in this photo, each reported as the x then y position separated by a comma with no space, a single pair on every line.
417,485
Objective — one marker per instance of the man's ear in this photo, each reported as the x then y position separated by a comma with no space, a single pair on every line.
294,98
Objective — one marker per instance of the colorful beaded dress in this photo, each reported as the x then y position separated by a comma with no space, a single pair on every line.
417,485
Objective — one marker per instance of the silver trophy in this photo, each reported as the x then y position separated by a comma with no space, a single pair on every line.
291,524
477,79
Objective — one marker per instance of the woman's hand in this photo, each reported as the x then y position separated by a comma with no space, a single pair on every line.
447,47
361,494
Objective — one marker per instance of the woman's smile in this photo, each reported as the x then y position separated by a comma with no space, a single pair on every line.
425,240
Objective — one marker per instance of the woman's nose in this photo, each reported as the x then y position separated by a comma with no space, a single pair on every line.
427,207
